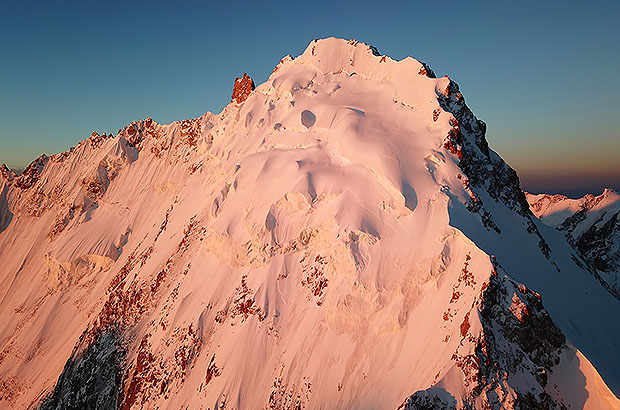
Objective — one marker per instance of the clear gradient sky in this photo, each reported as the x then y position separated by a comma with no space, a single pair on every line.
545,76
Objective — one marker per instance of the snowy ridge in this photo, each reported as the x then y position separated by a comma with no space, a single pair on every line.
554,210
592,225
326,243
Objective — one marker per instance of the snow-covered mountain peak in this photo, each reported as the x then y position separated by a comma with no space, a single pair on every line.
335,55
341,215
610,196
554,209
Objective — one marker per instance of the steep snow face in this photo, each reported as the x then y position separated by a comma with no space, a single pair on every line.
323,244
592,225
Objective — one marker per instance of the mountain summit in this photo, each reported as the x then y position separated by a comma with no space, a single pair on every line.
341,236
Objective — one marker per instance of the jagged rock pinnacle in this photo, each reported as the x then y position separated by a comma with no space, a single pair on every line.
242,89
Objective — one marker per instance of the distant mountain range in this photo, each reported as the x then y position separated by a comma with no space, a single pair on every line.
592,225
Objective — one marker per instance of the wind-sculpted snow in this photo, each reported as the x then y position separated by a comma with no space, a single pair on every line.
323,242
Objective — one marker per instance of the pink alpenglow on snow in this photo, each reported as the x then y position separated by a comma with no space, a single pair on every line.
342,236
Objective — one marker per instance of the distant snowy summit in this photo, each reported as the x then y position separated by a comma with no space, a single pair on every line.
591,224
340,236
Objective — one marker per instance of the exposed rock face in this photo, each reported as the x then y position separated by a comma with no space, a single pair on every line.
527,339
31,174
7,174
430,399
518,336
242,89
91,379
426,70
96,140
599,244
485,171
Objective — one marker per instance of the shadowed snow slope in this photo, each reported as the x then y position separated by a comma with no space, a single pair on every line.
342,238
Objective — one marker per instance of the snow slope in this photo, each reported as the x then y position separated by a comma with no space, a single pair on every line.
342,238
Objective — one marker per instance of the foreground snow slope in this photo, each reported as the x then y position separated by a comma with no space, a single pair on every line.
343,238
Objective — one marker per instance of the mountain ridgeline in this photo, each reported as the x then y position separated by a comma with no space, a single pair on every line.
340,236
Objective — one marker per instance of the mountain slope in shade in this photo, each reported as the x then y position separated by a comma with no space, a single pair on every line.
591,224
340,237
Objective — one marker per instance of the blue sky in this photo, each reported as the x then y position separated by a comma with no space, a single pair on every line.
545,77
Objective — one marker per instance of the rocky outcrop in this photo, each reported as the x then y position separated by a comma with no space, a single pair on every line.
6,173
5,213
7,176
484,169
527,341
96,140
242,89
30,176
599,244
518,336
91,379
426,70
430,399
